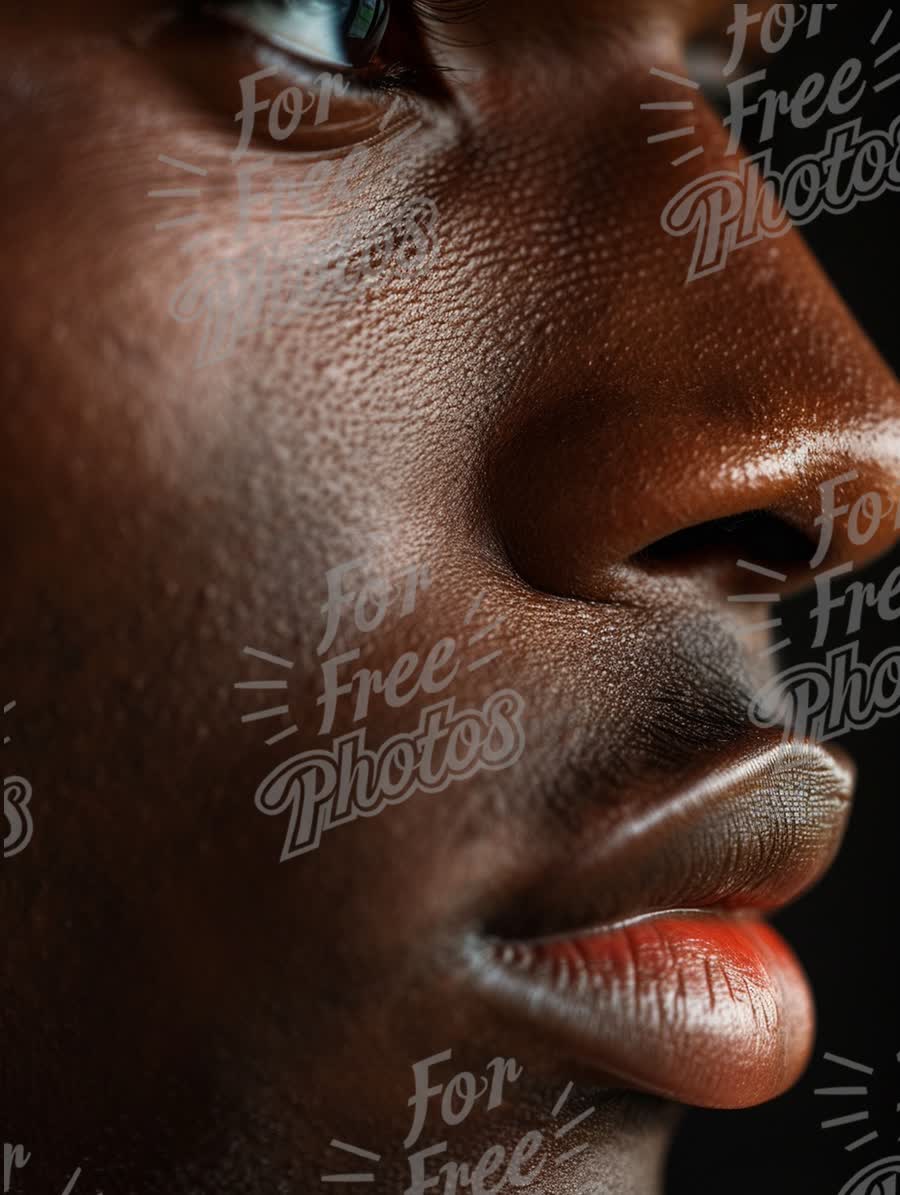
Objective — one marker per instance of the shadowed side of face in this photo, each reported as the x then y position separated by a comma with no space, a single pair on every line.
363,668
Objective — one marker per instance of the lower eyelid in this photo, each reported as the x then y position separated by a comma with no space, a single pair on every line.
207,72
333,103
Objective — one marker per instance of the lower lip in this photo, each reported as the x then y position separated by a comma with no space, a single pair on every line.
700,1008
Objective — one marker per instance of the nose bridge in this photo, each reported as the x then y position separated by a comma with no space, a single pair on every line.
715,269
685,397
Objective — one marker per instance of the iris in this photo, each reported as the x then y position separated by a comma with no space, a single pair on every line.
340,32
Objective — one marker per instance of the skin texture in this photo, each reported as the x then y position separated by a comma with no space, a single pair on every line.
534,418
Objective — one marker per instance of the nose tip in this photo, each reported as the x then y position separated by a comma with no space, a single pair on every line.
743,415
789,470
829,512
857,513
582,494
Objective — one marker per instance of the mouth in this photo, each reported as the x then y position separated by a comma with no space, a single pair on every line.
647,955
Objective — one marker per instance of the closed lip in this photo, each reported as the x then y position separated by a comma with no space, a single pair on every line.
647,954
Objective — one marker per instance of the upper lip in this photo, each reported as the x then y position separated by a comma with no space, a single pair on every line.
751,835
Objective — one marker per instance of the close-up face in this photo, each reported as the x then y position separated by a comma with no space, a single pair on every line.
408,439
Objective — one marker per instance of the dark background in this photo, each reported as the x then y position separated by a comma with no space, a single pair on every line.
847,932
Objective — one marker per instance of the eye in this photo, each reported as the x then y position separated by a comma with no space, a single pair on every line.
377,45
346,33
270,54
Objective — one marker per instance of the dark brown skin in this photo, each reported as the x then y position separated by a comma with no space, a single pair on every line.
179,1011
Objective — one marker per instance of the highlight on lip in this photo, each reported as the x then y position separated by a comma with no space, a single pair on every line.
695,1006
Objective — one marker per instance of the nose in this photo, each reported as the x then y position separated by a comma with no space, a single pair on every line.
742,415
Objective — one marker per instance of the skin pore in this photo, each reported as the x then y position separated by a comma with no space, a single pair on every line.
537,417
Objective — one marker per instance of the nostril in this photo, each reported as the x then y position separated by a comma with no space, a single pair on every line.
755,535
